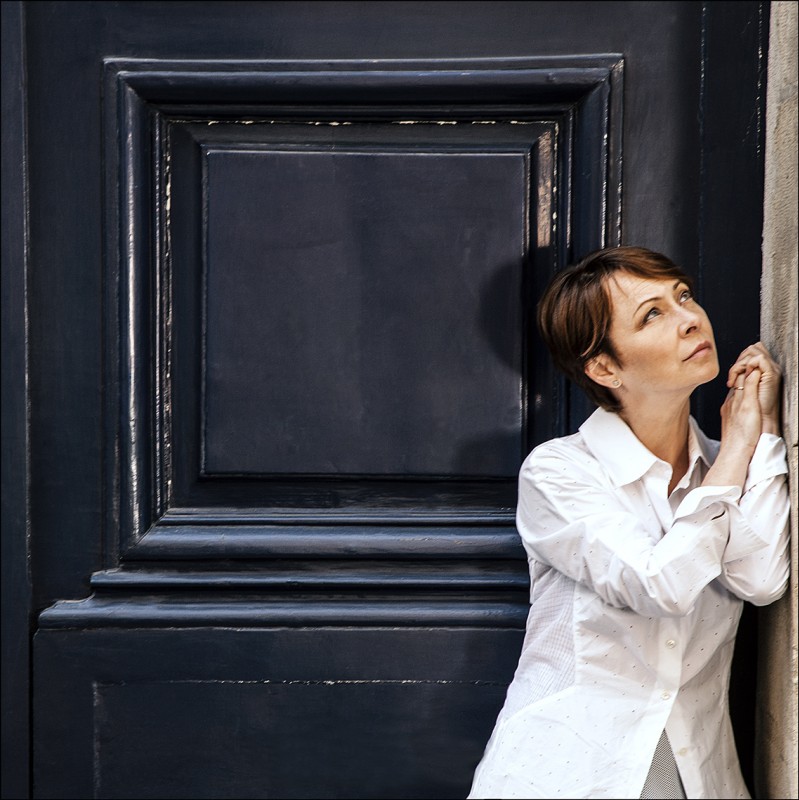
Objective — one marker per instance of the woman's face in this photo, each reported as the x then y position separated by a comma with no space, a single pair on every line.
662,336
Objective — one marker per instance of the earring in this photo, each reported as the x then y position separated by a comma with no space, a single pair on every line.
616,383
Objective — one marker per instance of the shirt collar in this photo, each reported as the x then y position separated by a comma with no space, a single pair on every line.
621,452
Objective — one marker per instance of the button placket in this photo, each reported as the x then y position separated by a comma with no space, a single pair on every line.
670,666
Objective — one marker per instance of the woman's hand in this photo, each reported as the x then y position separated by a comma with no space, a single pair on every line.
756,357
741,425
741,419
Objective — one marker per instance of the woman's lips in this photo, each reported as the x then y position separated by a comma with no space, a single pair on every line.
700,350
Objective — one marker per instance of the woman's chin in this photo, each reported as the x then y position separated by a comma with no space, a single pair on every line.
710,373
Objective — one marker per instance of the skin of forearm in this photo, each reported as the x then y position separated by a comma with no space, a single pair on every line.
730,466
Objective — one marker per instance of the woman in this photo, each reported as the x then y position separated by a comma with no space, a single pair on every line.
643,537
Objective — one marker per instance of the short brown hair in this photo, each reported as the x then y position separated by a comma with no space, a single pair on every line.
575,311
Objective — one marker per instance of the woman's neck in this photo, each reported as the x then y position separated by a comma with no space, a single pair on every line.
663,430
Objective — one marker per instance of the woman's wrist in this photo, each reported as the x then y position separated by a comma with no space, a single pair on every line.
731,464
770,425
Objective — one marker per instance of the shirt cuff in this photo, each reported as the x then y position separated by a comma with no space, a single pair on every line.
703,497
743,539
768,460
708,503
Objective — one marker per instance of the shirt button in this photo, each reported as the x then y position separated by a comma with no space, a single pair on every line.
666,695
670,643
682,751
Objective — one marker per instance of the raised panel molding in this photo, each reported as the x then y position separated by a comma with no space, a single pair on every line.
560,116
302,593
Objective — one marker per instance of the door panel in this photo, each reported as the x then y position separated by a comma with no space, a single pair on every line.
259,713
327,306
321,359
282,261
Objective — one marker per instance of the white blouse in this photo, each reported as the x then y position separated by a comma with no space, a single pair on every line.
635,600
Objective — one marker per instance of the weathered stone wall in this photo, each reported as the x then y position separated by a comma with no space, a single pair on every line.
776,757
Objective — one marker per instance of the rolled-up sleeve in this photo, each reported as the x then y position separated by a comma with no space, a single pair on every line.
760,576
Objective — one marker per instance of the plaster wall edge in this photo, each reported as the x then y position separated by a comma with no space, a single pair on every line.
777,737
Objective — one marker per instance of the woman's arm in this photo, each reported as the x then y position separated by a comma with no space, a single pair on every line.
571,517
741,423
760,577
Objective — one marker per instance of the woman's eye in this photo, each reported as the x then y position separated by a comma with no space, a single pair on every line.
685,295
651,314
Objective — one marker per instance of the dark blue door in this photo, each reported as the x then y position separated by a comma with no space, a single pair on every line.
272,365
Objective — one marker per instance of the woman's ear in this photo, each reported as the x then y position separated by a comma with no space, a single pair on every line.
603,370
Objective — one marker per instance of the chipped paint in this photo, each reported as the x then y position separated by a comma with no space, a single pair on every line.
545,212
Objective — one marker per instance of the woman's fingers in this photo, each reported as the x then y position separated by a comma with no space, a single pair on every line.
751,382
756,376
740,413
755,356
745,386
738,371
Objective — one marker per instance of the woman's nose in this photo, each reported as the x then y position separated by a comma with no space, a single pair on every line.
689,321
